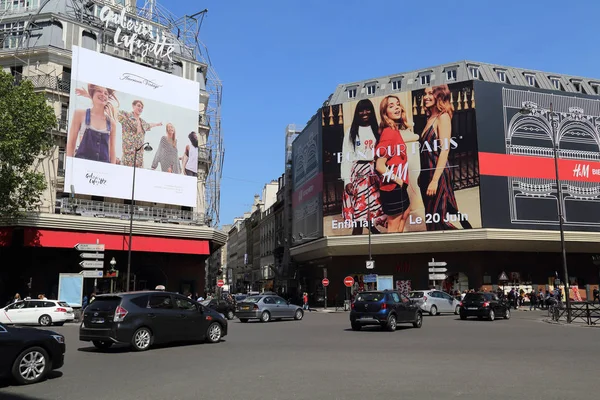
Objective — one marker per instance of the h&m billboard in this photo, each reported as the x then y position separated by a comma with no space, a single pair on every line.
518,128
407,161
115,107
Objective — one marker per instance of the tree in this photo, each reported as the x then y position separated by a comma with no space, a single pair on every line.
25,122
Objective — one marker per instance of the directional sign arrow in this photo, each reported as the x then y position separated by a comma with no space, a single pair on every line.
437,270
437,277
89,247
437,264
92,264
92,274
97,256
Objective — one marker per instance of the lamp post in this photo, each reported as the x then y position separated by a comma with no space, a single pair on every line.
113,262
527,111
146,146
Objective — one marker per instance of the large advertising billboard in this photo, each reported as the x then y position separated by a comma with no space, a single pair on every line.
406,161
115,107
518,129
307,183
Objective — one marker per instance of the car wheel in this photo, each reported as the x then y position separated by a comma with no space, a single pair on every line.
31,366
243,320
457,310
418,320
463,317
142,339
45,320
356,327
492,315
298,315
230,315
214,333
102,345
265,316
507,314
433,310
392,323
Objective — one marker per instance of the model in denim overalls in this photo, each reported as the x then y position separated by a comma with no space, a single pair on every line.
94,144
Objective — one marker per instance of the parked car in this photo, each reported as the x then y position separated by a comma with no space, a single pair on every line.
267,307
483,305
435,301
384,308
221,306
42,312
142,319
28,354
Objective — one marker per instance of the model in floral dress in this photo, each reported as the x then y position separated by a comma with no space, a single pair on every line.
361,184
134,134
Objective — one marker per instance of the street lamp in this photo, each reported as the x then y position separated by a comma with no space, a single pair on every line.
113,262
527,111
146,146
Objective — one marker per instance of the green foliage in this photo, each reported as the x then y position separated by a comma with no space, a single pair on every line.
25,121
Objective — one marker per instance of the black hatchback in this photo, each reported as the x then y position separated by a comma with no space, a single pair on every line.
141,319
384,308
483,305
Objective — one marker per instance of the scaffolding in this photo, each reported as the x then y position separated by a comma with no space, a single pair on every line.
185,31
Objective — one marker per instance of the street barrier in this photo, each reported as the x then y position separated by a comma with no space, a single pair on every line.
584,312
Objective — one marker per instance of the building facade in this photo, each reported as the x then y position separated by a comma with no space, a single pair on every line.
466,177
55,45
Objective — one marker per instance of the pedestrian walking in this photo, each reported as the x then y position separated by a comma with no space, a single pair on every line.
596,295
305,301
532,300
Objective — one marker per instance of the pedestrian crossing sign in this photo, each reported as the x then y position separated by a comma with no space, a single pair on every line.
503,276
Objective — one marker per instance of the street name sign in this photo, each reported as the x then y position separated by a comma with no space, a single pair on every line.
93,274
96,256
92,264
437,263
437,270
437,277
89,247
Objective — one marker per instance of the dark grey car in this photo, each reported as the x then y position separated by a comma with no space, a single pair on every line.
266,308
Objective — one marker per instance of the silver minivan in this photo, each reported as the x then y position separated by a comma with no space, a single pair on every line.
435,301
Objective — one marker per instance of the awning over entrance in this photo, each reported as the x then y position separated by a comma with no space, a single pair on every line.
112,241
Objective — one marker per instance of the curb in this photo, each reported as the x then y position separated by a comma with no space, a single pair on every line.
574,324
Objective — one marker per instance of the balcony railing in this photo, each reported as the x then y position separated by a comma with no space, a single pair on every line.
103,209
47,82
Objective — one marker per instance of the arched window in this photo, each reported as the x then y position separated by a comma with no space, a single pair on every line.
89,40
56,35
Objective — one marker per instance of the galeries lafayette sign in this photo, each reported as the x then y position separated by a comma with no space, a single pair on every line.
133,34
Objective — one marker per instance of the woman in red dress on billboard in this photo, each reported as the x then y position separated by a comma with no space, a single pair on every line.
361,185
391,163
436,178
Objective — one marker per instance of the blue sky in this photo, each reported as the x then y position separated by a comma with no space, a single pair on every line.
279,60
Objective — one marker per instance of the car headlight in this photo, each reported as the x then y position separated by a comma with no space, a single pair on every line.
59,338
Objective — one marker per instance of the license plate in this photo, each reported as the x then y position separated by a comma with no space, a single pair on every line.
472,308
245,308
97,320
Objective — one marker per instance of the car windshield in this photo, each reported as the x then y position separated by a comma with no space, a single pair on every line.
416,295
252,299
370,297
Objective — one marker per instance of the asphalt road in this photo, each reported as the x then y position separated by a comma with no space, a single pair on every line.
321,358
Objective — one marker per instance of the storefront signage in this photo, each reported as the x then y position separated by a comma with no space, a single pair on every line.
132,34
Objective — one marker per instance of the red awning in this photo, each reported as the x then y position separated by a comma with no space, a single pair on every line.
114,241
5,237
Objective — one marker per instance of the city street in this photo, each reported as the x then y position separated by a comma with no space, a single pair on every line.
321,358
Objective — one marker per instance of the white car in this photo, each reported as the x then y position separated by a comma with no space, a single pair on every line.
435,301
42,312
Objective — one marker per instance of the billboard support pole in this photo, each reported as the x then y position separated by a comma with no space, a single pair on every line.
146,146
369,219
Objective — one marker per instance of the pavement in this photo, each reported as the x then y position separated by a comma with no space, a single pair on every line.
320,357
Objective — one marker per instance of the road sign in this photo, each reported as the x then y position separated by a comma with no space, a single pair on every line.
437,277
503,276
89,247
220,283
437,270
93,274
325,282
92,264
370,264
97,256
348,281
437,263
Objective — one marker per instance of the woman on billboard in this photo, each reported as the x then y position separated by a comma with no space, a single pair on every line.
190,156
167,154
392,162
361,185
436,178
96,126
